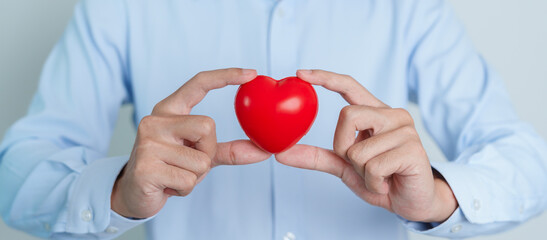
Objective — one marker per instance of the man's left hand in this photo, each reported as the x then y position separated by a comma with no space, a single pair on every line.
385,164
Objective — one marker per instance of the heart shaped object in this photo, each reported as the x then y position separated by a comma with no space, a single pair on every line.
275,115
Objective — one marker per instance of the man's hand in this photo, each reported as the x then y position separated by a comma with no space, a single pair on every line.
173,150
385,164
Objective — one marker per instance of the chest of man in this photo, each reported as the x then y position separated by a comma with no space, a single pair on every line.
171,42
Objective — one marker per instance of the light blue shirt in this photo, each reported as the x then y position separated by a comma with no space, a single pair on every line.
55,179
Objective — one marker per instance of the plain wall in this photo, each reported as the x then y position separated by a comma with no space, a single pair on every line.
512,35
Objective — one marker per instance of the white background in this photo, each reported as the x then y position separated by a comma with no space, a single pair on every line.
512,35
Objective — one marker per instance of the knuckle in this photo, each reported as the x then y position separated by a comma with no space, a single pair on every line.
189,182
338,150
185,182
408,130
203,164
347,112
347,77
184,193
149,122
158,107
187,191
146,122
198,78
200,75
405,114
144,188
371,169
401,111
206,125
355,153
145,144
351,113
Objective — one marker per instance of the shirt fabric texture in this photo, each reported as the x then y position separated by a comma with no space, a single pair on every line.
56,179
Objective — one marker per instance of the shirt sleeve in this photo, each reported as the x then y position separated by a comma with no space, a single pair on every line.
497,163
54,177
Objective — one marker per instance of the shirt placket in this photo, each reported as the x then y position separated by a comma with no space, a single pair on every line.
283,62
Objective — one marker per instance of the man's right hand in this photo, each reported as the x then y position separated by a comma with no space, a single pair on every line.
173,150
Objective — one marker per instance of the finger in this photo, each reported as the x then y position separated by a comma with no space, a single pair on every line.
200,130
349,88
360,153
181,181
313,158
195,89
359,118
239,152
183,157
378,170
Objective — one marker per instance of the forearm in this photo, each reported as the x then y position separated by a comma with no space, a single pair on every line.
48,191
497,185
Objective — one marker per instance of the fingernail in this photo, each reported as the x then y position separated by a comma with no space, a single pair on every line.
304,71
248,72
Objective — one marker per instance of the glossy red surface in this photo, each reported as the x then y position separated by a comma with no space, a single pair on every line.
275,115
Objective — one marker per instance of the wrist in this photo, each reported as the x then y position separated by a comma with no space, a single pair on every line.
116,203
445,202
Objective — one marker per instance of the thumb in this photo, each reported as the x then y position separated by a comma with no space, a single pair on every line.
313,158
239,152
320,159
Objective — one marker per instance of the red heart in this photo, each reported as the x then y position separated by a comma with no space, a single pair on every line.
275,115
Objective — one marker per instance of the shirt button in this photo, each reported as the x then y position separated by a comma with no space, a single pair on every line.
521,209
456,228
476,204
111,229
86,215
289,236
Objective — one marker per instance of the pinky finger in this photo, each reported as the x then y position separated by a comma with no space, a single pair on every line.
177,181
379,169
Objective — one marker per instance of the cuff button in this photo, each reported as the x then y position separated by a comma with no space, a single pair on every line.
476,204
86,216
111,229
456,228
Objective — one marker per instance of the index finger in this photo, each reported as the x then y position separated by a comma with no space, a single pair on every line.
194,90
351,90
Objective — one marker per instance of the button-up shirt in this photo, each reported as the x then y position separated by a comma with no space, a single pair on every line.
56,180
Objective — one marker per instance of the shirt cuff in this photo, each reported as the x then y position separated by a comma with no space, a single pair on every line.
118,225
450,228
472,216
88,208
